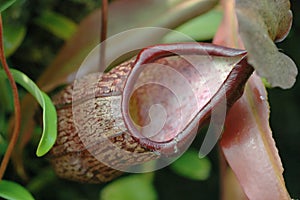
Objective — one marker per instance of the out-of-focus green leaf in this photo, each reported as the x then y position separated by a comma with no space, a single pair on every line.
6,96
189,165
13,37
123,15
3,142
57,24
4,5
200,28
13,191
49,113
44,178
134,187
2,120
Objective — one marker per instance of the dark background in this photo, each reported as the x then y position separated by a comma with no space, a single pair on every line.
285,111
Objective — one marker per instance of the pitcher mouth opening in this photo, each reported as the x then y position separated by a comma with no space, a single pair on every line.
163,103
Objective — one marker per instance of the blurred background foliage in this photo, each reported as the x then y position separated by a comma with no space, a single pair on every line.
31,45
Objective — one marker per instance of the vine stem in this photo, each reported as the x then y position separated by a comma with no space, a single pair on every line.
104,15
103,31
17,109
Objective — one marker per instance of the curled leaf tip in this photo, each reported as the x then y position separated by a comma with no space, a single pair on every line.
279,71
261,22
49,133
284,29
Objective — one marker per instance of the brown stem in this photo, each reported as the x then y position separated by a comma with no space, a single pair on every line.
12,82
222,168
104,13
103,32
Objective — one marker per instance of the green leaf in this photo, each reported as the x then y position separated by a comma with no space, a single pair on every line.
49,113
6,97
200,28
13,191
134,187
4,5
189,165
57,24
42,180
3,142
13,37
